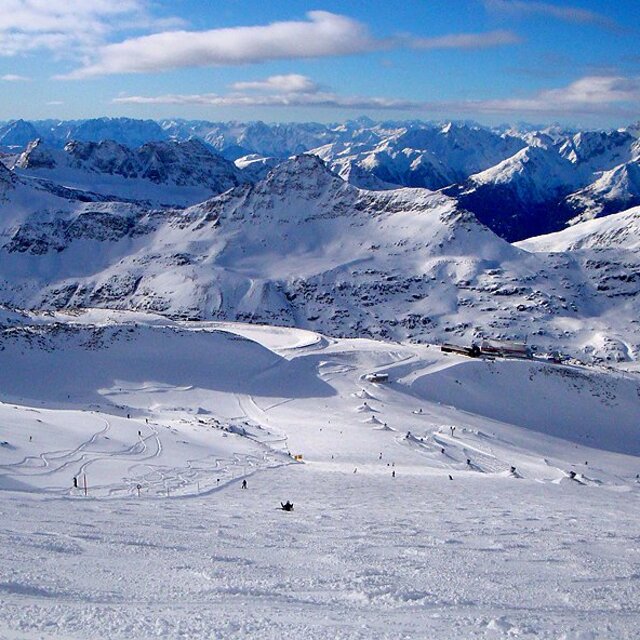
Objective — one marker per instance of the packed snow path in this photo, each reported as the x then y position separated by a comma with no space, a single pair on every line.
361,556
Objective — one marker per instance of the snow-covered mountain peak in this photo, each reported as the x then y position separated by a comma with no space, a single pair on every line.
36,156
301,164
84,150
612,189
17,134
304,174
127,131
601,150
532,166
186,172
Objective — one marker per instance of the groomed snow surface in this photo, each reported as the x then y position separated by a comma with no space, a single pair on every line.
437,505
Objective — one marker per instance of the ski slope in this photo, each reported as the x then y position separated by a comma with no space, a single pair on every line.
439,504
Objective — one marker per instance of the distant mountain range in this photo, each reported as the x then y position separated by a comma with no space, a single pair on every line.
520,182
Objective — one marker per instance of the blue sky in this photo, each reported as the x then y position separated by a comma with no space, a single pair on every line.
573,62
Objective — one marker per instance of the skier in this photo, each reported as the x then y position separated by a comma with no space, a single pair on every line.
75,482
244,484
287,506
393,473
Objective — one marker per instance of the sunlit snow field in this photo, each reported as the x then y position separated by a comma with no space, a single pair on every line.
402,528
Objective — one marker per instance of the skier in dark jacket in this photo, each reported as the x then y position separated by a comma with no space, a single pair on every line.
287,506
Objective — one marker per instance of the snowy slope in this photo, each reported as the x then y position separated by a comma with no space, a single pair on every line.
255,167
119,364
604,253
381,542
618,231
612,190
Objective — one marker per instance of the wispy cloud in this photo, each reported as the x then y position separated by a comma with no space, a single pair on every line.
291,83
12,77
276,91
322,34
566,13
466,40
320,99
588,95
70,27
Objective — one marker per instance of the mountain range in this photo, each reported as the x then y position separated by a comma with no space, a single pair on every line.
304,247
519,181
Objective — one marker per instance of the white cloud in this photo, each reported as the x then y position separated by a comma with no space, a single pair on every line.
12,77
588,95
466,40
292,83
276,91
319,99
568,14
68,27
322,34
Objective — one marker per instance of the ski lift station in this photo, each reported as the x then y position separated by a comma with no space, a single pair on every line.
377,377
